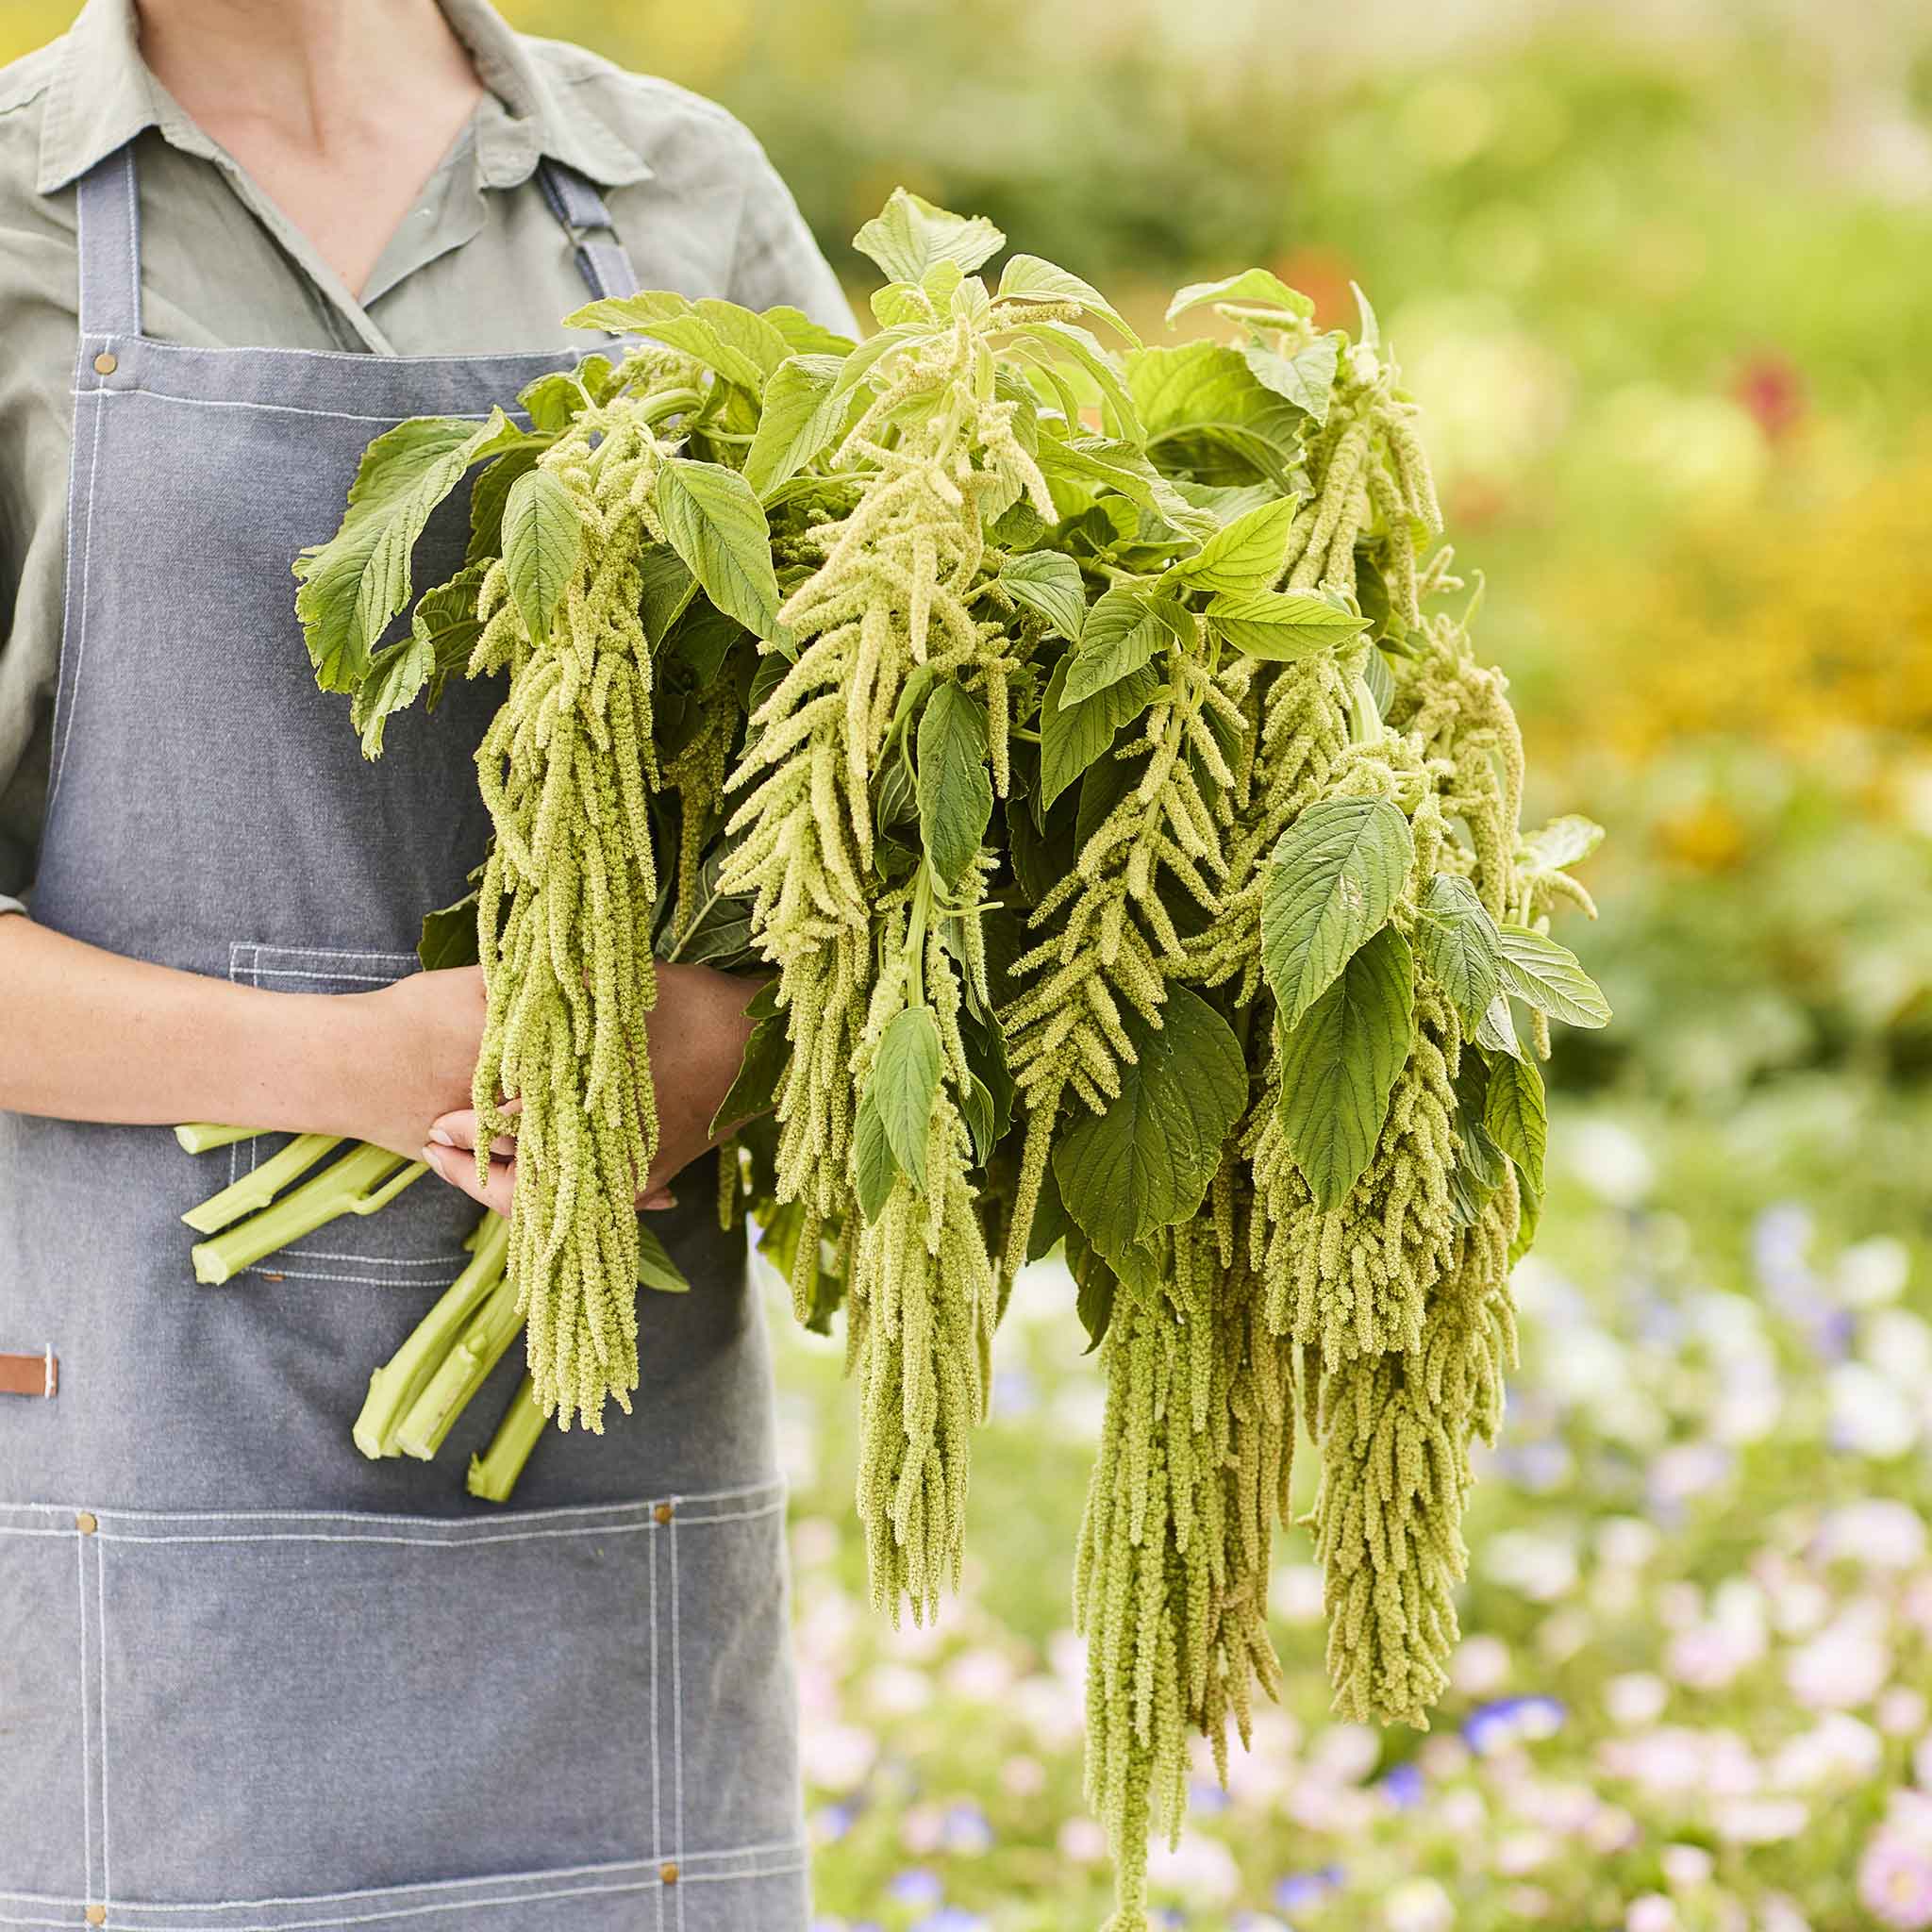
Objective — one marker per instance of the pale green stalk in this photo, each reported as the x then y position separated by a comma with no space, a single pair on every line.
494,1475
203,1137
460,1374
360,1182
394,1386
260,1185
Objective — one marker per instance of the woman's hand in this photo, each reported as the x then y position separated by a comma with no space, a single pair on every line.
696,1035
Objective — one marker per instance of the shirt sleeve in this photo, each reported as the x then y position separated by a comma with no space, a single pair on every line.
777,260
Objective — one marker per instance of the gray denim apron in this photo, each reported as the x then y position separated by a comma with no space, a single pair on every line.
249,1679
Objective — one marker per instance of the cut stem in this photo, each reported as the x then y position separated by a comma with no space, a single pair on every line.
260,1185
394,1386
203,1137
461,1372
494,1475
361,1181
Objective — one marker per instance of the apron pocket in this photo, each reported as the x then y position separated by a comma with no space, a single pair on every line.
49,1677
305,1703
416,1239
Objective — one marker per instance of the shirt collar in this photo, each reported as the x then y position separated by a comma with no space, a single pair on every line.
102,96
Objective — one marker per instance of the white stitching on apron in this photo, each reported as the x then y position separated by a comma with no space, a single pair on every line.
657,1774
101,1636
87,1815
677,1701
72,684
438,1542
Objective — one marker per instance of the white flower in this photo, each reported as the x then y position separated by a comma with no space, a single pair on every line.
1610,1160
1837,1748
1418,1904
1685,1866
1760,1821
1637,1697
1627,1541
1543,1568
1901,1711
1651,1912
1871,1272
1520,1852
1845,1664
1082,1840
1197,1868
1480,1666
1884,1534
836,1758
1294,1592
1869,1413
897,1689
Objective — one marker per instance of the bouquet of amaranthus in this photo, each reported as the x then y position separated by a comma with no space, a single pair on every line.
1079,738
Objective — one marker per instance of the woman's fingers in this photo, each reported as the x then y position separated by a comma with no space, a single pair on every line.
458,1166
459,1129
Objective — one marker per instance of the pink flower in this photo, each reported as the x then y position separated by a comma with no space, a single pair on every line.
1895,1882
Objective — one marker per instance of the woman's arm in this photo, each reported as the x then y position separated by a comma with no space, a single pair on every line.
93,1036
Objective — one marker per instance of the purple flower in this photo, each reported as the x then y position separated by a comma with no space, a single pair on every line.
916,1885
1204,1797
1402,1787
1303,1888
1506,1720
951,1919
966,1829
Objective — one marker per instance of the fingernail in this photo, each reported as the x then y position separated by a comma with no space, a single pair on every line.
442,1139
433,1157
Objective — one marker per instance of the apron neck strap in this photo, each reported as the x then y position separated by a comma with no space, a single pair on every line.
606,266
108,218
108,213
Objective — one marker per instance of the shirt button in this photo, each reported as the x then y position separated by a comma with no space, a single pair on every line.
106,362
87,1522
668,1871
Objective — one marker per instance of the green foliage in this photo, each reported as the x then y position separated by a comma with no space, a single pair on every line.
1135,845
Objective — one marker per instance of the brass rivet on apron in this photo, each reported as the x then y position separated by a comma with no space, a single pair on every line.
106,362
662,1512
668,1871
97,1915
87,1522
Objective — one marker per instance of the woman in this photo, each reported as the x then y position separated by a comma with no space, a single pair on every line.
247,1678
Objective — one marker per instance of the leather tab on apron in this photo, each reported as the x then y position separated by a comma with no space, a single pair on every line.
30,1374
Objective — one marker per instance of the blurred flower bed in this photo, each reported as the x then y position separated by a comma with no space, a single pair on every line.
1693,1693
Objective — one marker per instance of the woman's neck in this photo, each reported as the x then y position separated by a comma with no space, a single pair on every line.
338,109
322,71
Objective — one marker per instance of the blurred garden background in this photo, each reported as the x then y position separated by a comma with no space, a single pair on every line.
1661,275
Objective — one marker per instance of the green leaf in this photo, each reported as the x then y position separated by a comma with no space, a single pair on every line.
754,1089
1028,278
1369,334
718,932
1306,378
1497,1031
717,525
955,793
668,589
395,677
1048,584
1332,880
1516,1115
1253,289
1146,1161
909,234
542,540
1282,626
554,399
1069,340
1050,1219
744,329
445,620
1071,737
1096,1287
490,493
975,1104
1561,843
802,412
739,345
1550,978
353,585
905,1083
449,936
804,337
1340,1063
1200,405
1120,467
873,1168
656,1269
1122,631
1244,557
1459,946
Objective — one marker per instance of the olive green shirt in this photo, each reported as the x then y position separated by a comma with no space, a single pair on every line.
480,265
